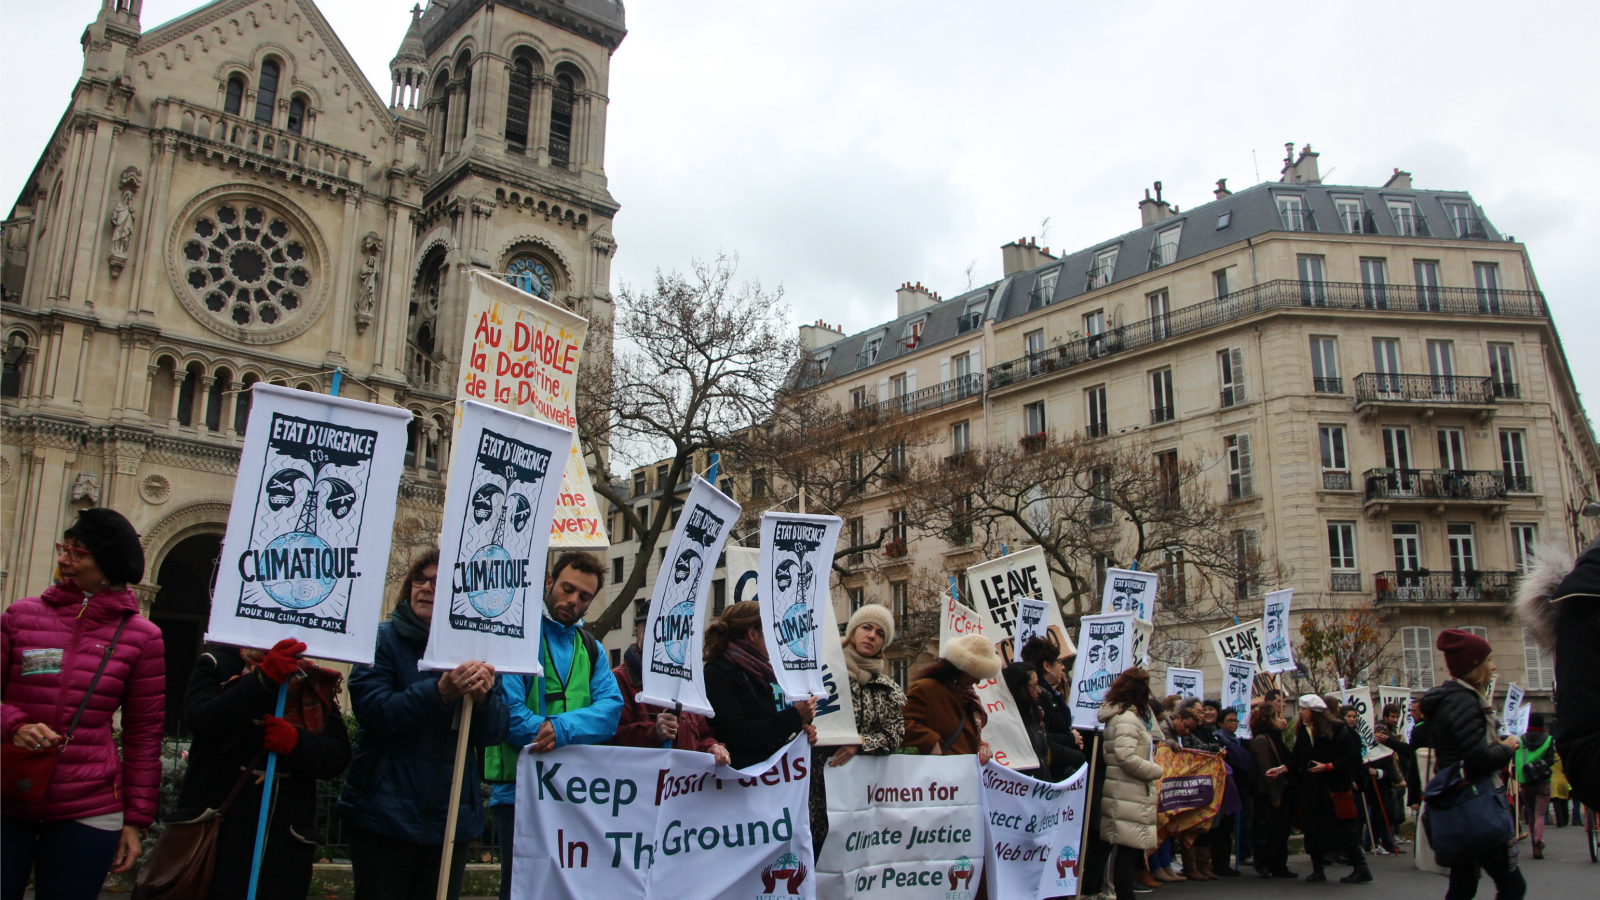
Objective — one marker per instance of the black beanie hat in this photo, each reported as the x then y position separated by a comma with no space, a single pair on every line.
110,537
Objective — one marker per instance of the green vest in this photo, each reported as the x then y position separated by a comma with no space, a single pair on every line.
500,762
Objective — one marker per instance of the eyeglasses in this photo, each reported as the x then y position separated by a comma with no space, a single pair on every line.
78,554
421,580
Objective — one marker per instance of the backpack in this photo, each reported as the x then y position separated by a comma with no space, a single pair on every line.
1536,766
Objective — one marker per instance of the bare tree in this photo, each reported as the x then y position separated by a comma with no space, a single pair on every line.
698,361
1348,643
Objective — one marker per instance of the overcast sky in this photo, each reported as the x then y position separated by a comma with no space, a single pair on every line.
842,148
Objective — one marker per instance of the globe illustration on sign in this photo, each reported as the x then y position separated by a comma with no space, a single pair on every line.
308,590
796,626
678,647
491,602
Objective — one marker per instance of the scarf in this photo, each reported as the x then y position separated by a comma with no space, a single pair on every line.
313,691
633,658
862,668
409,624
751,657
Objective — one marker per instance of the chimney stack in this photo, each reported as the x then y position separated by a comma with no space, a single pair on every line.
819,335
1222,189
1302,170
1400,181
1153,211
1023,254
912,297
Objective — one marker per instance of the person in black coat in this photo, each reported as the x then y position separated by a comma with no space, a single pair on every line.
1326,761
752,720
1559,603
1461,731
229,706
1061,742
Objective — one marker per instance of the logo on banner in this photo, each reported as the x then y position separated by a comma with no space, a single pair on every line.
961,872
675,628
1105,658
786,868
491,571
1066,861
1129,596
1277,639
795,577
1185,684
306,522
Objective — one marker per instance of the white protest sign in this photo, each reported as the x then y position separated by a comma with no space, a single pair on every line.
1032,832
1186,682
1005,734
586,818
796,557
521,353
1107,646
673,669
307,547
1128,591
1361,698
1239,642
740,833
1031,615
999,583
1237,676
503,488
836,712
1400,697
903,828
1277,652
1508,713
1524,718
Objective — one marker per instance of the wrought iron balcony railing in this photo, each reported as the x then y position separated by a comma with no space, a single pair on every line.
1434,485
1336,481
948,392
1162,414
1328,385
1281,294
1379,387
1422,586
1345,582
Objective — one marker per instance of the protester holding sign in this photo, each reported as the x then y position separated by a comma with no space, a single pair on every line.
644,725
1275,792
396,795
68,825
943,714
1065,745
752,720
1327,760
1128,812
576,701
228,708
1022,681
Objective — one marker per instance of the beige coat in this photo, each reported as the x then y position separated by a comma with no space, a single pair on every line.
1128,810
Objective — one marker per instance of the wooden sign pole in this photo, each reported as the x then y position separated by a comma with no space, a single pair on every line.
448,849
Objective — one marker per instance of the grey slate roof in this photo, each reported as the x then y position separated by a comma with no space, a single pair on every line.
1251,212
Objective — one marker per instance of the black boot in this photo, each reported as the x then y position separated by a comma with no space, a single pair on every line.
1316,869
1362,874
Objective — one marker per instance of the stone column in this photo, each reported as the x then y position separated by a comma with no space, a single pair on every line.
229,405
178,376
87,270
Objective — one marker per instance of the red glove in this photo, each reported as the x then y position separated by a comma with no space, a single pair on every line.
281,661
280,735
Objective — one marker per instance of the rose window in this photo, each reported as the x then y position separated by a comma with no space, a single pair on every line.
246,265
531,275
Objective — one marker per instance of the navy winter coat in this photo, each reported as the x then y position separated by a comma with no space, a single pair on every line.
399,778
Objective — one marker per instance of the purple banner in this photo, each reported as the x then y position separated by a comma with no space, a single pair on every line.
1181,793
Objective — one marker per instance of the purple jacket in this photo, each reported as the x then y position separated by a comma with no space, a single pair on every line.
89,779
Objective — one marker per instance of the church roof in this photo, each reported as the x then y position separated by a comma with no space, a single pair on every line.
411,49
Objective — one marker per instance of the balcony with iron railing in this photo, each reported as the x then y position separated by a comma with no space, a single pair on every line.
1335,480
1469,227
1280,294
1344,582
972,321
1162,414
1507,390
966,387
1297,219
1410,224
1464,586
1328,385
1435,486
1383,389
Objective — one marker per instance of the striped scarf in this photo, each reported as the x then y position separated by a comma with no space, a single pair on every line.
751,657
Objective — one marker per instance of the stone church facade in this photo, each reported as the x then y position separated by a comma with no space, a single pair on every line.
228,200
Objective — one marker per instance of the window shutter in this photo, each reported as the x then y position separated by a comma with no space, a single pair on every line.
1236,356
1417,648
1252,549
1246,481
1540,665
883,389
944,370
911,382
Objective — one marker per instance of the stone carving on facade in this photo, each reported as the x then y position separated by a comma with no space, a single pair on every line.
367,298
155,489
86,487
123,220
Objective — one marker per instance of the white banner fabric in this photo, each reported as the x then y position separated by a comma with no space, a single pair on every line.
1239,642
503,488
1400,697
1360,697
521,353
1278,651
1186,682
741,834
836,711
1131,592
1508,713
1237,676
674,671
1005,734
306,552
999,583
1107,647
796,559
1032,832
903,828
1031,615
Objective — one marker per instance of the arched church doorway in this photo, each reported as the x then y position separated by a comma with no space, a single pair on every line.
181,610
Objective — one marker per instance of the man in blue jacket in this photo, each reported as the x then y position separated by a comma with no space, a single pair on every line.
576,701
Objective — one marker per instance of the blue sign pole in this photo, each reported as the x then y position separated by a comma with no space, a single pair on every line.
711,473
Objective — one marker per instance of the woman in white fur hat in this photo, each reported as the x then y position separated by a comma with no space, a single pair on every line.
943,714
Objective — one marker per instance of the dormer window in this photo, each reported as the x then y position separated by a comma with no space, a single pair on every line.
1044,290
971,320
1407,222
913,333
1105,265
1353,217
1293,213
869,351
1164,249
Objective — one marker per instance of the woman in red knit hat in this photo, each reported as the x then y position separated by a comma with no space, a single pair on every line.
1461,730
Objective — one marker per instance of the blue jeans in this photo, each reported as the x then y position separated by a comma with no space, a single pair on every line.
68,860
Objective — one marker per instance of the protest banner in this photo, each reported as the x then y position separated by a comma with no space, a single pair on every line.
1508,712
1005,734
1129,591
492,551
1186,682
1108,645
1237,677
1366,723
586,818
306,552
1031,614
903,828
1277,652
836,711
1240,642
1033,832
521,353
999,583
741,833
1400,697
673,669
795,550
1190,792
1524,719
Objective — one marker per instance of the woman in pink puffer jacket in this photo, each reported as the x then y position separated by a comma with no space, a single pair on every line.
50,646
